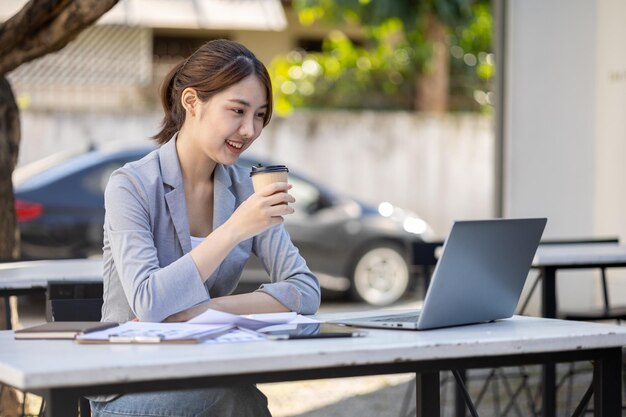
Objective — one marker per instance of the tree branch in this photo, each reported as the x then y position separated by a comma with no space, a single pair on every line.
75,17
29,19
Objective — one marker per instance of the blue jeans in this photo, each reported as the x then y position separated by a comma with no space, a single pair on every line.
240,401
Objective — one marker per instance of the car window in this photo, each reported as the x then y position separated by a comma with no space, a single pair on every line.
306,195
96,181
34,169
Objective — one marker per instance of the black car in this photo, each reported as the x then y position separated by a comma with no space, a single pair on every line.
352,247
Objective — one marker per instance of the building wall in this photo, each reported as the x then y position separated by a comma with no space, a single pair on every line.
549,138
565,127
111,68
610,120
438,167
609,198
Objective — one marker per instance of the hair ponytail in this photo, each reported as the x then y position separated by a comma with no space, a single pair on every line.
212,68
172,107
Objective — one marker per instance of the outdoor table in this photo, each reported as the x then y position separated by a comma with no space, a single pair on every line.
548,260
62,371
551,258
31,277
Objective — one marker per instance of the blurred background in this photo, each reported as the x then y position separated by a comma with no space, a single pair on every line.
395,117
388,105
348,78
391,104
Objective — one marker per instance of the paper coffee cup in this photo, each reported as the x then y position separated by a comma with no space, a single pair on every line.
264,175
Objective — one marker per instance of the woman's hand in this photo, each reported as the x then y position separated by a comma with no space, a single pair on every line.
261,210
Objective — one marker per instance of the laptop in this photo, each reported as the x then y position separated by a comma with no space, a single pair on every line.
478,278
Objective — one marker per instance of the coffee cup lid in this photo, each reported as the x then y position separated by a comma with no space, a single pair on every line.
260,169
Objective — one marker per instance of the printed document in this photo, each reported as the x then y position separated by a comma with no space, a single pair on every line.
250,321
142,332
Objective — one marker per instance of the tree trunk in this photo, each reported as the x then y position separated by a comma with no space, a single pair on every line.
39,28
432,85
9,237
9,146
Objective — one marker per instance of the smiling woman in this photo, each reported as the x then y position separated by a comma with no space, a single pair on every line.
227,67
181,223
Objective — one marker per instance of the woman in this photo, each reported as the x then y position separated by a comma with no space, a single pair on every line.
181,223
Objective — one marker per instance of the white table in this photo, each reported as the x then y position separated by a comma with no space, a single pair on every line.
28,277
62,371
551,258
33,276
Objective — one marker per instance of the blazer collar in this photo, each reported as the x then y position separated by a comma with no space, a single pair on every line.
170,166
175,192
224,199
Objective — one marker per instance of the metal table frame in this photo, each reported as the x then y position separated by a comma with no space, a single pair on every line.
607,386
549,309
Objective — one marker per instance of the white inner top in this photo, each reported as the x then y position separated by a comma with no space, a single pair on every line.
195,241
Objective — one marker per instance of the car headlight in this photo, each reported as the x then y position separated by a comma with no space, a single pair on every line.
415,225
410,222
386,209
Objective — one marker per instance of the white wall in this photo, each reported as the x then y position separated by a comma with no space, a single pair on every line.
439,167
610,132
564,123
549,137
610,116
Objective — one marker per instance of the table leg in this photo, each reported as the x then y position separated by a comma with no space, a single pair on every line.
548,310
607,384
427,395
459,401
548,387
548,293
60,403
7,312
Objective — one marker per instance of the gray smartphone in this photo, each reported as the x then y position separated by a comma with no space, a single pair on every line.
309,331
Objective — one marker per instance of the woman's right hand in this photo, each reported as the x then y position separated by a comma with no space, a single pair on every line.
261,210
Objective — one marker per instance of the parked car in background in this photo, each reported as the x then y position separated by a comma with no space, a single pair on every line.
354,248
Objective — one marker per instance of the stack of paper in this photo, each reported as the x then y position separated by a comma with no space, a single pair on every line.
250,321
140,332
211,326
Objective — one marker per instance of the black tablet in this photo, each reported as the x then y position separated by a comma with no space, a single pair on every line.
309,331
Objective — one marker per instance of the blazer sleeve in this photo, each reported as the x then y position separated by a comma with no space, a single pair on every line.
153,292
293,284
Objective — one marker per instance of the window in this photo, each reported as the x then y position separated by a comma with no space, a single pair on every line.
171,46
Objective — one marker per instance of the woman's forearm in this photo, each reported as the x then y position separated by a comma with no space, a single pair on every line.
214,248
251,303
187,314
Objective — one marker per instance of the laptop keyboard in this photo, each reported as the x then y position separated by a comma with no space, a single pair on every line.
409,317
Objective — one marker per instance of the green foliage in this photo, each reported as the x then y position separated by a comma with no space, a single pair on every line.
381,73
472,64
345,75
376,12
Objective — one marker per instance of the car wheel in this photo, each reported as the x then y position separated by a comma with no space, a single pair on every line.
380,275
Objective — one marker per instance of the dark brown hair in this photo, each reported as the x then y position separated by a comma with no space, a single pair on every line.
212,68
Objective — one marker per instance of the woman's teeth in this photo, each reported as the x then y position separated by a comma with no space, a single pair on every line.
235,144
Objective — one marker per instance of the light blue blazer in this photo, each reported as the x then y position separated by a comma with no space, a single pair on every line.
148,272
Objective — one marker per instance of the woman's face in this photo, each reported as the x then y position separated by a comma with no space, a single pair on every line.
227,123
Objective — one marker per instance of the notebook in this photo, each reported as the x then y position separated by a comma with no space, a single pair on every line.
478,278
61,329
